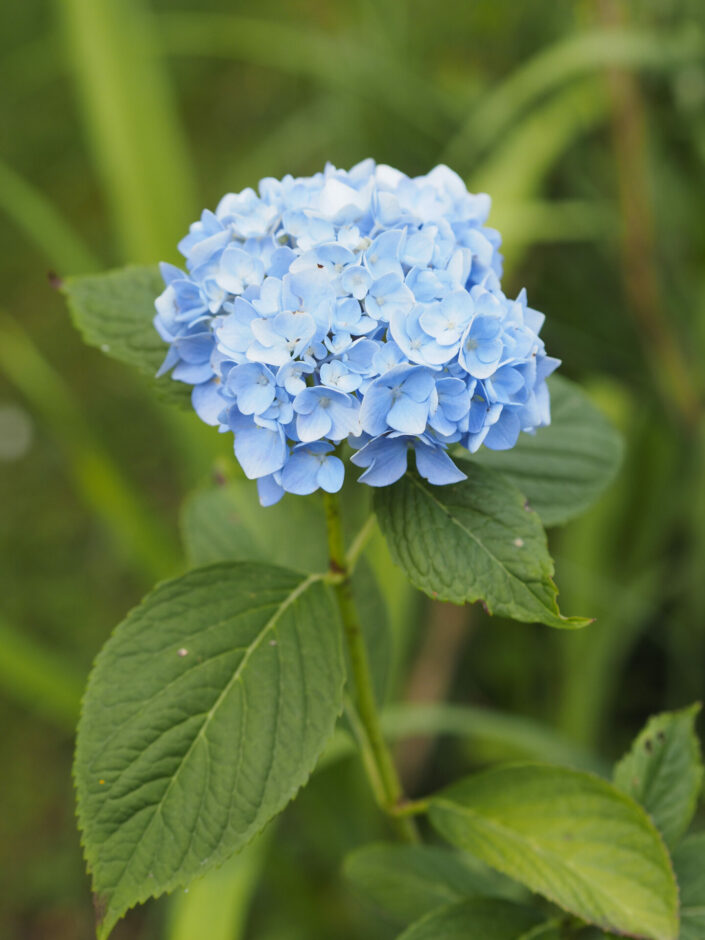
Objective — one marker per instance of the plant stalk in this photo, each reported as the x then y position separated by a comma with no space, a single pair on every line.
377,758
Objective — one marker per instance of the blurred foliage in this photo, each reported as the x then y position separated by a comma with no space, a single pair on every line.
120,120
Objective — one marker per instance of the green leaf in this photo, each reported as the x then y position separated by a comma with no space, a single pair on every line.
227,523
664,771
569,836
479,919
206,711
563,468
408,881
689,862
475,540
114,311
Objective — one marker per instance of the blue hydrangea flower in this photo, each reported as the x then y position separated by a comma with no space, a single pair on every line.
361,307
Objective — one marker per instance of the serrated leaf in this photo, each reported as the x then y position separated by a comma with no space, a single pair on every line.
689,863
569,836
206,711
409,881
565,467
664,771
114,311
226,523
475,540
479,919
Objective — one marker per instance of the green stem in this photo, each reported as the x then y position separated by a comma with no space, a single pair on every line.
359,543
377,758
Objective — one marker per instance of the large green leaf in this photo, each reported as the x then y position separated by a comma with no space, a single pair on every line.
563,468
689,862
227,523
475,540
569,836
205,713
664,771
114,311
409,881
479,919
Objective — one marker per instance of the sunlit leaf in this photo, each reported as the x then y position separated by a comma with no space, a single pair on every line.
569,836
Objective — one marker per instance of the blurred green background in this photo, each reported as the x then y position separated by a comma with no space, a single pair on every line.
121,119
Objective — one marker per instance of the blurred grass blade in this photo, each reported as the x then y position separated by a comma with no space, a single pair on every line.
534,221
516,171
216,907
518,737
131,122
41,681
517,168
289,146
560,63
508,735
622,587
43,224
139,535
29,67
339,62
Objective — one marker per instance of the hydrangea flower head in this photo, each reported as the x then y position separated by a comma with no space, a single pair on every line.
361,306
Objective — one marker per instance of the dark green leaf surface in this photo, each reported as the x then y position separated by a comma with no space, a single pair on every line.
664,772
474,540
569,836
689,863
205,713
409,881
114,311
562,469
480,919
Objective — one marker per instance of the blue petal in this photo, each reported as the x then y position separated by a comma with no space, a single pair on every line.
331,474
207,402
314,425
435,465
408,416
300,472
269,490
260,451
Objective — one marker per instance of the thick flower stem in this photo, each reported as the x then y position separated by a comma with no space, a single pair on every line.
377,758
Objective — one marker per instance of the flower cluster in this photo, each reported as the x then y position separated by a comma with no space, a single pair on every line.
361,306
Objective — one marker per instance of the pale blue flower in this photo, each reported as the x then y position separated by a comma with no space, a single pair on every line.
361,305
279,339
259,447
399,400
325,412
383,255
253,386
447,320
481,346
311,467
388,296
416,344
386,460
238,270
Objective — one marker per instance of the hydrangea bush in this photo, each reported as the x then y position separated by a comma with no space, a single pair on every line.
360,314
361,306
